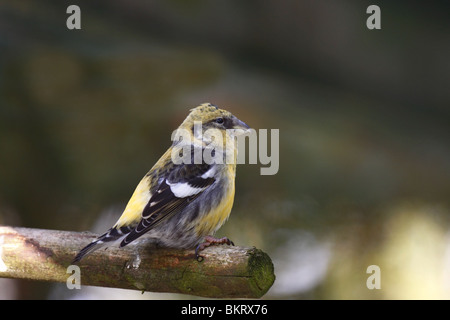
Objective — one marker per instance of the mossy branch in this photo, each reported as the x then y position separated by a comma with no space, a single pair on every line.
45,255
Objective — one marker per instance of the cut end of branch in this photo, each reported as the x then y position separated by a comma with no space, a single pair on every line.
262,271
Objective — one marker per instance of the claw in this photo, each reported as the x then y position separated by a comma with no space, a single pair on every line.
209,240
198,257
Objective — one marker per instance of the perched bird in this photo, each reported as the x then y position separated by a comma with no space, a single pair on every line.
182,205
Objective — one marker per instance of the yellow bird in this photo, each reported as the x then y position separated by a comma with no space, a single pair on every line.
183,200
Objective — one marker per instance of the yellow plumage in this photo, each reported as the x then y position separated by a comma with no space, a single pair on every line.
136,204
211,222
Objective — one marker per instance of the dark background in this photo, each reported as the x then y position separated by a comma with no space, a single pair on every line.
364,116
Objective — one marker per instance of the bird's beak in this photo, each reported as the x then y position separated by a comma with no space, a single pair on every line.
239,127
238,124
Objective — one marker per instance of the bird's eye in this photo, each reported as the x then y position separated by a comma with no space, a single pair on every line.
219,120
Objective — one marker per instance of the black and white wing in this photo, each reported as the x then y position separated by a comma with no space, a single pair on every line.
182,185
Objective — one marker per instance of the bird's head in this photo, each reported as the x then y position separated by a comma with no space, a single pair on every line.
208,126
212,117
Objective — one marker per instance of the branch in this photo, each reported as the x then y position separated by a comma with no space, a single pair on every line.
226,271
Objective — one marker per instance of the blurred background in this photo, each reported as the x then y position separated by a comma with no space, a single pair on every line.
364,176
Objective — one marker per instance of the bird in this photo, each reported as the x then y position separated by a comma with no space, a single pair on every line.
181,204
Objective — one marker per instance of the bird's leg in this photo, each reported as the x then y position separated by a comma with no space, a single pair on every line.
209,240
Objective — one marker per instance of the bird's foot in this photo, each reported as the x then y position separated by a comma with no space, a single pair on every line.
209,240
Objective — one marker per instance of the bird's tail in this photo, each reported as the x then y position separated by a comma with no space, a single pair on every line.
105,239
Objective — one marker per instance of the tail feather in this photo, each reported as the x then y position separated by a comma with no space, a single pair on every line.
111,235
95,245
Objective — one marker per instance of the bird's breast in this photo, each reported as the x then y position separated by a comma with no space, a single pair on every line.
218,207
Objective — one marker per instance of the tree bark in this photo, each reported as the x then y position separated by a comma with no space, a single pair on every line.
225,272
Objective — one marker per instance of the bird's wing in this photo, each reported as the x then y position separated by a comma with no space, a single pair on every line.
176,190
